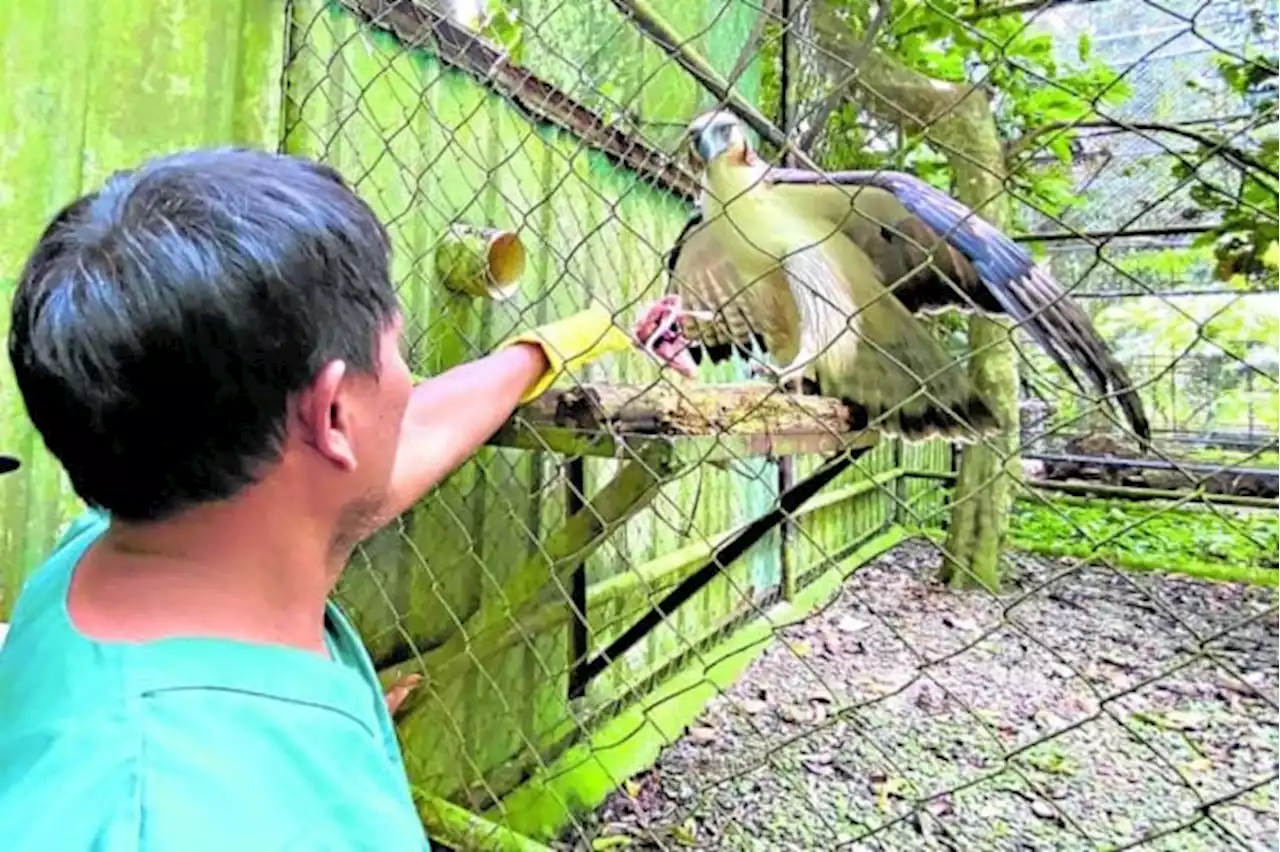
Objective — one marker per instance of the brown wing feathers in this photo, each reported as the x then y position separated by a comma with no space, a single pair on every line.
705,279
982,268
899,221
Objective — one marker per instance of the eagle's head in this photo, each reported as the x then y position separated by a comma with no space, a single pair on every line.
719,134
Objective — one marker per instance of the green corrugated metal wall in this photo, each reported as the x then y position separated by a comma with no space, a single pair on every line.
425,145
90,87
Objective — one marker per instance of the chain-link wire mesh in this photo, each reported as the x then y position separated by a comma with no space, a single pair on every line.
821,687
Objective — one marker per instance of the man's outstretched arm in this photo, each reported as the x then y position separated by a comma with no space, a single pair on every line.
450,416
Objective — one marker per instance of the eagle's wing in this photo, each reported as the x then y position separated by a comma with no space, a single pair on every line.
701,272
935,252
823,313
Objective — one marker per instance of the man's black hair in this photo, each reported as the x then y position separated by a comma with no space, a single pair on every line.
162,324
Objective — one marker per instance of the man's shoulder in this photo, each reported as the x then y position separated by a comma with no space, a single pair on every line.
42,585
87,763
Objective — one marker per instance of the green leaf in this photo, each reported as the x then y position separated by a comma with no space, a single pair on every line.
1271,256
684,834
899,788
1084,48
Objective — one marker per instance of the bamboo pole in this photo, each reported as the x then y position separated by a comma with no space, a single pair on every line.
463,830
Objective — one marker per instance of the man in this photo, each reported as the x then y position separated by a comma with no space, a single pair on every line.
210,346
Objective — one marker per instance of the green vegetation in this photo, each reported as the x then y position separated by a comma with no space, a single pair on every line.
1244,242
1232,458
1221,544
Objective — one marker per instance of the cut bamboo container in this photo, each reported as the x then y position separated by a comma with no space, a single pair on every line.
476,261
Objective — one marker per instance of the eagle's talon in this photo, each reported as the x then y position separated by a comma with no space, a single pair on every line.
789,380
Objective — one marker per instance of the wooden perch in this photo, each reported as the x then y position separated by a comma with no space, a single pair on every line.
745,409
659,430
702,421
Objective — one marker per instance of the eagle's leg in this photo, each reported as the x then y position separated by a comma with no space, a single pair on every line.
811,345
791,378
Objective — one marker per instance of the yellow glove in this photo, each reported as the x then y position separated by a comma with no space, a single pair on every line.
570,343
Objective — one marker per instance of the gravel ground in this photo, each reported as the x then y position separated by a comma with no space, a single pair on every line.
1076,712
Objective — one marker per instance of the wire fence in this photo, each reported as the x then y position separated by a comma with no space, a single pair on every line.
643,622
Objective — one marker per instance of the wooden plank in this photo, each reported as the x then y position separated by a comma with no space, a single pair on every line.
706,423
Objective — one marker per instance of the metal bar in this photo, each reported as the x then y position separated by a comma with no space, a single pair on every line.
1122,492
1168,294
1074,236
786,464
1151,464
579,626
722,558
422,25
784,71
786,477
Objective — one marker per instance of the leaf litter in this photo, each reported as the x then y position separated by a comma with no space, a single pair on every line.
1085,708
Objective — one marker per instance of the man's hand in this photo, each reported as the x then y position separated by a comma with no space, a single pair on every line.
571,343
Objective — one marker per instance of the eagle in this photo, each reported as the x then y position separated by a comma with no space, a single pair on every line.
829,274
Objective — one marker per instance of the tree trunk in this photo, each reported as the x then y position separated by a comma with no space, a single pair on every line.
983,493
957,120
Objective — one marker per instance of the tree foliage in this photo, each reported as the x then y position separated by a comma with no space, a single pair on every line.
1016,66
1244,240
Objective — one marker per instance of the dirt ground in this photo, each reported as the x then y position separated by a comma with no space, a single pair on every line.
1079,711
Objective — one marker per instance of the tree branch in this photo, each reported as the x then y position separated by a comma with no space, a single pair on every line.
1239,158
956,117
669,41
1015,8
819,119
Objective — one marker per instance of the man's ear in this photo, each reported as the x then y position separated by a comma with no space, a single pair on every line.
325,419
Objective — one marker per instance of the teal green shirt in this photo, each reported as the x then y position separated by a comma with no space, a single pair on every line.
190,744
